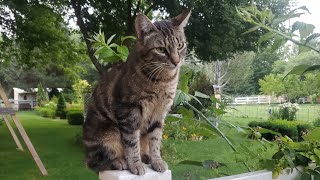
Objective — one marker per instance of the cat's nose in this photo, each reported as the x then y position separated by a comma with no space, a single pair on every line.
175,59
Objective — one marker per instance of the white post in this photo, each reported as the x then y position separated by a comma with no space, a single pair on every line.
126,175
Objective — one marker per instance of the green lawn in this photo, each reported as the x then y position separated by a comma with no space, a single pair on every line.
54,141
307,112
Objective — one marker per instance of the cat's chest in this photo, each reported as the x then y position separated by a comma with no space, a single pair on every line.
156,108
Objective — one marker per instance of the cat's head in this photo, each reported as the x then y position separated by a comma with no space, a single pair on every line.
162,42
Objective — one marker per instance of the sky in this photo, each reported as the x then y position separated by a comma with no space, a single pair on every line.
314,17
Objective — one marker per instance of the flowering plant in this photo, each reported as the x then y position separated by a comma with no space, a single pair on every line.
288,111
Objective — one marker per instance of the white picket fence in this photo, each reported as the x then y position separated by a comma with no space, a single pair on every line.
253,100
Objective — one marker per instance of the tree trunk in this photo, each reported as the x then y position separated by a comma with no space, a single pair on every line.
77,9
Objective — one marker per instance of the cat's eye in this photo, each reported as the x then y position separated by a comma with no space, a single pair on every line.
180,45
160,49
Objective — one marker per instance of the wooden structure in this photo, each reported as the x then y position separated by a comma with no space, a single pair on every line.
8,111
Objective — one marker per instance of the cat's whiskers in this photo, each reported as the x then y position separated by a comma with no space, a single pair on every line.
152,72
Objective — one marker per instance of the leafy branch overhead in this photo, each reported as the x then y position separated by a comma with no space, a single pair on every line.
266,20
107,52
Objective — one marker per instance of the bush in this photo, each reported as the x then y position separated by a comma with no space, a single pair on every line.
61,107
75,117
293,129
316,122
46,112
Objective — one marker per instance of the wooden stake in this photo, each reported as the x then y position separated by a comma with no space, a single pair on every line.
24,134
13,134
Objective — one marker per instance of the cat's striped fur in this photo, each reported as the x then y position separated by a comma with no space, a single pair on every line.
126,114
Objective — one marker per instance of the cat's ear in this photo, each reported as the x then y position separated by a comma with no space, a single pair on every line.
181,20
143,25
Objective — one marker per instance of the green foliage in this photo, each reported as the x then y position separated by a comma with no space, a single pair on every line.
48,110
42,96
79,88
261,66
293,129
75,117
61,107
272,85
184,127
316,122
286,111
264,19
107,52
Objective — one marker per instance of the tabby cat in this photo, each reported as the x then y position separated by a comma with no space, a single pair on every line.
123,127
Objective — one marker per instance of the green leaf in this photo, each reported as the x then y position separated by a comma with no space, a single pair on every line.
312,36
123,50
190,162
201,95
301,69
265,37
302,160
305,176
251,30
110,39
105,53
278,155
263,131
180,98
127,37
277,43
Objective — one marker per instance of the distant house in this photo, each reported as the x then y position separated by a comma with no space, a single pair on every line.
23,99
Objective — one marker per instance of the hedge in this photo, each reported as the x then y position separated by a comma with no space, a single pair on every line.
292,129
75,117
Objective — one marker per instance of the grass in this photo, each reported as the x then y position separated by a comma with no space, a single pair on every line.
307,112
54,141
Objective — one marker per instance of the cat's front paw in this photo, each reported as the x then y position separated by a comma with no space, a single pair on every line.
159,165
137,168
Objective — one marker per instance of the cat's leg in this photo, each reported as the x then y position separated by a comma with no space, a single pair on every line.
155,137
144,151
129,123
105,154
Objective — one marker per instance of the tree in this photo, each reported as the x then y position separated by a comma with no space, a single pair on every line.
42,96
272,85
262,66
61,107
37,41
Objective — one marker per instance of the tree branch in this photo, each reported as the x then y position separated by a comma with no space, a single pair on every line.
77,9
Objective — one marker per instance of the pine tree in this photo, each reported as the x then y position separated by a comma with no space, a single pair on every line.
61,107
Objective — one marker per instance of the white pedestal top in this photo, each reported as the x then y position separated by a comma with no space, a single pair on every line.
126,175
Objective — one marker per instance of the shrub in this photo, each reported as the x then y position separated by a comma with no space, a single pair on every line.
75,117
61,107
48,110
316,122
293,129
